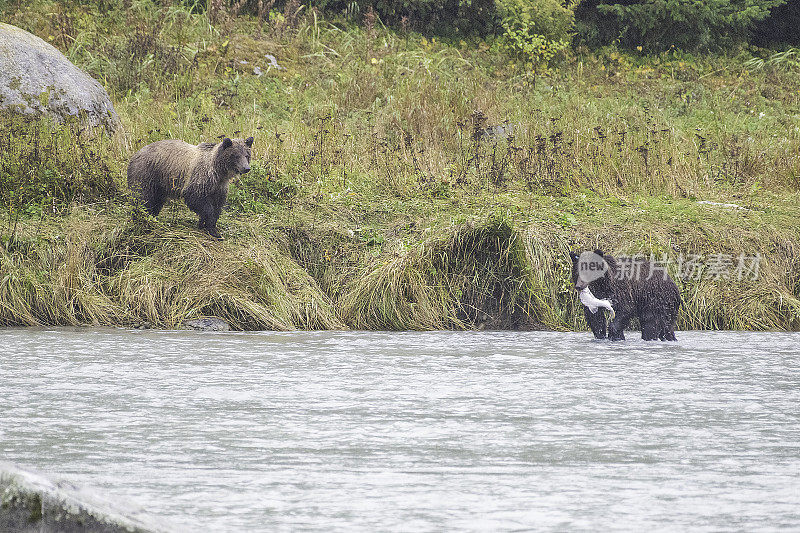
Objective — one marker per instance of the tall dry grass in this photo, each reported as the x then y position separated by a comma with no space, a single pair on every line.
381,164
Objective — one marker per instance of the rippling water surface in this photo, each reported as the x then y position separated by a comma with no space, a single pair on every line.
414,431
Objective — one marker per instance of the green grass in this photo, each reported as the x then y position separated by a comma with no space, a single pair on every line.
372,202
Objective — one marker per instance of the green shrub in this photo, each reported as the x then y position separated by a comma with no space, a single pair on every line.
254,191
536,30
551,19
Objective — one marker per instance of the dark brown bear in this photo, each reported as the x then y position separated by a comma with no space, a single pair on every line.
633,292
198,174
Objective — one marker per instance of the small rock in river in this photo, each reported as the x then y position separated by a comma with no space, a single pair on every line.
207,324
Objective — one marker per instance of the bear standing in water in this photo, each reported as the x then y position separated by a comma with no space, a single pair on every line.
198,174
635,290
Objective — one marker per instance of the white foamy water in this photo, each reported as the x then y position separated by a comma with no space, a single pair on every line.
355,431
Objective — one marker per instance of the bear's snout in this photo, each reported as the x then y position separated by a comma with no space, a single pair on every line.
245,170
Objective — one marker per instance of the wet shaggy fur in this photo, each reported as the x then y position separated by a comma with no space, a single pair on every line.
198,174
654,301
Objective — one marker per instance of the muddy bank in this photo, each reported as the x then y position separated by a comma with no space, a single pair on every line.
490,273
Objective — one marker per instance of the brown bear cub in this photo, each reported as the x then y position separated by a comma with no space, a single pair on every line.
634,287
198,174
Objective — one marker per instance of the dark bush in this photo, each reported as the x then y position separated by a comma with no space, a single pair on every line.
781,27
659,24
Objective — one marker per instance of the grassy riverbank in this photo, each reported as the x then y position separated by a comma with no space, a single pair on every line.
385,193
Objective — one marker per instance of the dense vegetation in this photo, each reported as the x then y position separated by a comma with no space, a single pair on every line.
403,177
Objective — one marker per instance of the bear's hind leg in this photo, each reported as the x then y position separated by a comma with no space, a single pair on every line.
653,324
670,336
153,197
669,331
155,204
650,331
668,323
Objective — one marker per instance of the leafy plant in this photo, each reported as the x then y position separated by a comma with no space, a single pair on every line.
785,60
44,161
535,31
257,189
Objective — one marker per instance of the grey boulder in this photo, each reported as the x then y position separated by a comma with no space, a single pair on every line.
35,78
31,503
207,324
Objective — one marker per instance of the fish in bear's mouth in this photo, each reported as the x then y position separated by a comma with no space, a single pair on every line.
593,303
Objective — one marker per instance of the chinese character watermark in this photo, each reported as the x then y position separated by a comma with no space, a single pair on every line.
689,267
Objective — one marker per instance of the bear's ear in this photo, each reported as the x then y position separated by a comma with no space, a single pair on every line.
227,143
599,252
249,142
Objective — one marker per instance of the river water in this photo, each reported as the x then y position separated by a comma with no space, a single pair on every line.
357,431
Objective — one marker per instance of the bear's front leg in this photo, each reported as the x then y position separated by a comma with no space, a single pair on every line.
617,326
206,222
216,210
205,209
214,232
596,322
